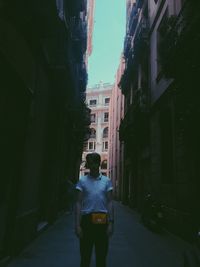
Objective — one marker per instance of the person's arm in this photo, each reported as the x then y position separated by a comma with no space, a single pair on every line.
78,229
110,213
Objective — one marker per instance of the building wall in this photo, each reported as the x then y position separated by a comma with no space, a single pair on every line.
115,149
134,128
42,94
157,162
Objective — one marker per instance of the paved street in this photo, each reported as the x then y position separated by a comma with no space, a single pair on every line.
131,245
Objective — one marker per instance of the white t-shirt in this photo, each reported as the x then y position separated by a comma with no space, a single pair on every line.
94,193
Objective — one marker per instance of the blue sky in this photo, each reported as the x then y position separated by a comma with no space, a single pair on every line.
108,39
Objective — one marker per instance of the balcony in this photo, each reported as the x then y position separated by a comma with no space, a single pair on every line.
133,20
73,8
126,129
78,31
135,117
129,72
127,45
83,76
140,100
139,3
141,36
124,82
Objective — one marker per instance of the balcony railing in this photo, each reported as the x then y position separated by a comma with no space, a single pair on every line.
78,29
142,35
139,3
126,126
140,100
124,82
133,20
83,77
105,135
127,45
133,126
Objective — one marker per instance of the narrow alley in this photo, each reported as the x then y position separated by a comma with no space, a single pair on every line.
116,79
131,245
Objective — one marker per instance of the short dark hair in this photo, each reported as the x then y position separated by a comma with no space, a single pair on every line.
94,157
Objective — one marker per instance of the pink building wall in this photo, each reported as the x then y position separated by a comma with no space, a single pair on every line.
90,26
115,152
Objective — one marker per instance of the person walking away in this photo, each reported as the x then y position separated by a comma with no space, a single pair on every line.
94,213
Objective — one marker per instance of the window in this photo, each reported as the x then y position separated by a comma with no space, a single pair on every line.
92,133
91,146
105,145
105,132
106,115
93,118
156,1
93,102
107,100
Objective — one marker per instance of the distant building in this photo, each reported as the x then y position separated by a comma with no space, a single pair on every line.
98,99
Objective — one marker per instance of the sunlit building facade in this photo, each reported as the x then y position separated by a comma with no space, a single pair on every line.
98,99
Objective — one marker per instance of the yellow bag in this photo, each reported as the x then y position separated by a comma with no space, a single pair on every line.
99,218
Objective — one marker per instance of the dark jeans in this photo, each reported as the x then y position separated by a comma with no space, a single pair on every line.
93,236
